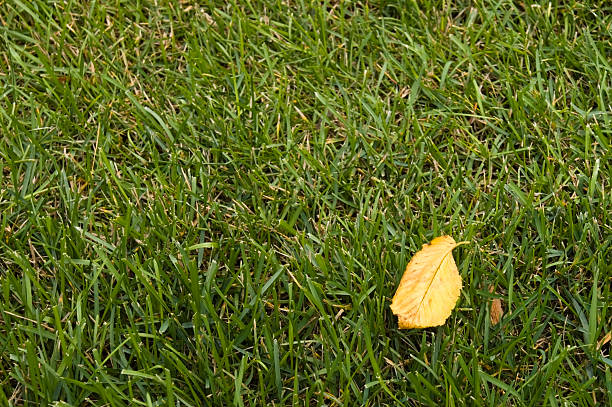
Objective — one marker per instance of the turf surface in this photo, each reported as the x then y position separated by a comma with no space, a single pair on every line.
210,203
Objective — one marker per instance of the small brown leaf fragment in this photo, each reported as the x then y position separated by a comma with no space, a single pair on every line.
496,311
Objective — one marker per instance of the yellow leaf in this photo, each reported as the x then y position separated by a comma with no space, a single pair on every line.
430,286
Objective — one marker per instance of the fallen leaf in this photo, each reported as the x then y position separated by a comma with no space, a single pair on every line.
496,311
430,286
496,308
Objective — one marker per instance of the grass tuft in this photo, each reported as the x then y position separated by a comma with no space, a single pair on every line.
206,205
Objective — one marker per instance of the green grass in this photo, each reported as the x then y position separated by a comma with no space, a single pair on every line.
212,204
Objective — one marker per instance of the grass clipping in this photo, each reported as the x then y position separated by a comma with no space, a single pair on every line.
430,286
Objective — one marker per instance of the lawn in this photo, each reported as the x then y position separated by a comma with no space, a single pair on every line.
212,204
